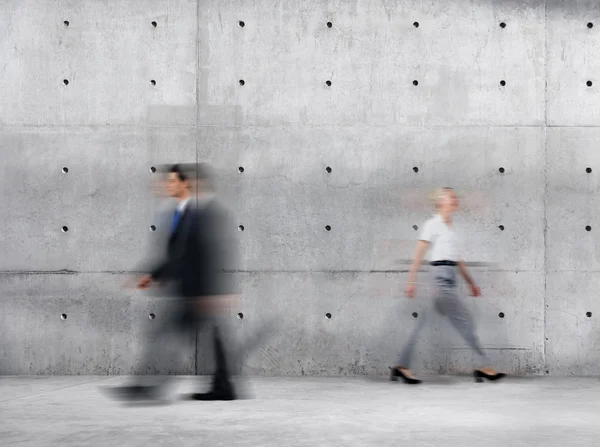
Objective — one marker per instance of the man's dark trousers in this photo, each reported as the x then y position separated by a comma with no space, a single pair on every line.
194,266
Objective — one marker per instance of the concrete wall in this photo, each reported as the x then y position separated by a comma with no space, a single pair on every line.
387,142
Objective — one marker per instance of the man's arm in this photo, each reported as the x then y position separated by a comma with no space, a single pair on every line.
159,271
218,252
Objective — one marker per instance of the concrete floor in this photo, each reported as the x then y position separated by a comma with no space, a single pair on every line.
444,411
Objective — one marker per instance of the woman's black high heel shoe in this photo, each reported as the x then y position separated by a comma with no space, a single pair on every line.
480,375
395,373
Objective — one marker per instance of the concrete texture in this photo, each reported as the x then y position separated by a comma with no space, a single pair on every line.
306,412
387,141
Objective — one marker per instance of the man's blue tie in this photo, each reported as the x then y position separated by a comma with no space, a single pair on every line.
176,218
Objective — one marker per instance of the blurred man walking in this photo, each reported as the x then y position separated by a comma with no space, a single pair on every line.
197,254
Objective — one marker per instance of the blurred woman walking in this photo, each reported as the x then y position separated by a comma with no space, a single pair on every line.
447,260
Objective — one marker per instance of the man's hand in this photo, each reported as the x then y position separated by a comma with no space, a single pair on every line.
145,282
475,290
410,289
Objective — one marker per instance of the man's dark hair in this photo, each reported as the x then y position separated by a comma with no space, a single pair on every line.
194,171
181,174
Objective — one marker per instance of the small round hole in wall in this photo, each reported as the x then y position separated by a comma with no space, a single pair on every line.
66,81
240,316
328,316
241,228
588,314
63,316
329,24
328,83
502,25
240,169
589,83
501,227
590,25
415,169
66,23
501,170
502,82
328,228
588,170
415,315
154,24
328,170
416,24
415,82
153,82
242,82
65,229
152,169
415,227
588,228
152,228
65,170
151,316
501,314
241,24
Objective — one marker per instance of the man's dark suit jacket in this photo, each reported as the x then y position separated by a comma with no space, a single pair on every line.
198,252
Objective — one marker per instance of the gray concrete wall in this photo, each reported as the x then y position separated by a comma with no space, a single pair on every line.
372,126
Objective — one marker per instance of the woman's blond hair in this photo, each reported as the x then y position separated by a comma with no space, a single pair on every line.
437,194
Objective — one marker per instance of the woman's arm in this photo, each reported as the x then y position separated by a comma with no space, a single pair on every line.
412,275
420,253
465,274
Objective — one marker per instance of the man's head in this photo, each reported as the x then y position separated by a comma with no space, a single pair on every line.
189,178
445,200
178,183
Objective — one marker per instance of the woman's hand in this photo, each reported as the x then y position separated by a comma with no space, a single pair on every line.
475,291
465,274
410,289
